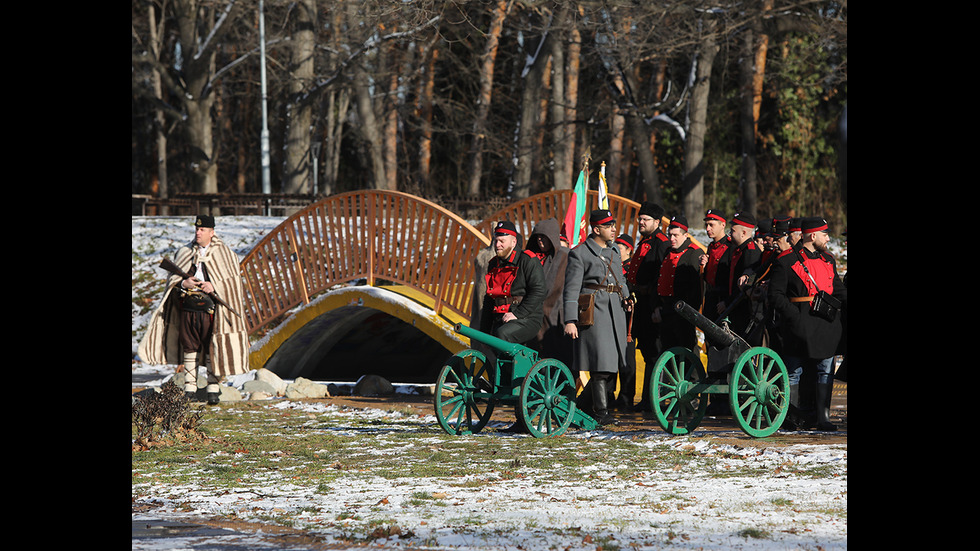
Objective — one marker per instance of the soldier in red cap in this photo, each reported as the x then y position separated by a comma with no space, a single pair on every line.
809,322
641,273
716,259
743,263
679,279
513,305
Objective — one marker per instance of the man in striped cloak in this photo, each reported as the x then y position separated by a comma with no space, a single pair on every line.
191,329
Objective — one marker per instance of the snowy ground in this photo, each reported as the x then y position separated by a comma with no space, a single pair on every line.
698,507
725,497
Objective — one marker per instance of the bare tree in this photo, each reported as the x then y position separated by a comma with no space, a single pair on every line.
297,169
200,27
755,44
692,190
497,16
533,78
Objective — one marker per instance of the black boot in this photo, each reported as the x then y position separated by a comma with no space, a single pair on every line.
792,420
825,392
600,400
213,398
517,428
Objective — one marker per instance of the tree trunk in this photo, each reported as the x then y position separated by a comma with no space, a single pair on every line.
640,135
530,124
616,168
561,155
390,129
752,69
538,162
425,116
692,192
160,133
500,11
572,65
369,127
197,68
297,161
338,102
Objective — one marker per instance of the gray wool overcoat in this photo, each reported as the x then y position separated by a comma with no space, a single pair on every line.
600,347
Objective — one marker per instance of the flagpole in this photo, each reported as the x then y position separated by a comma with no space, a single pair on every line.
603,188
585,170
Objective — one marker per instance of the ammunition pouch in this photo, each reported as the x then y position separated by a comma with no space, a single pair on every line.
195,300
824,305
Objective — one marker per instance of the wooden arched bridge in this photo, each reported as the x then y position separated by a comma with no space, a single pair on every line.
415,258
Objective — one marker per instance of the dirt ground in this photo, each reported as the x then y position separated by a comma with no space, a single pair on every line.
723,428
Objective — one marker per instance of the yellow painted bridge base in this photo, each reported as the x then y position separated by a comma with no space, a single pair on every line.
404,303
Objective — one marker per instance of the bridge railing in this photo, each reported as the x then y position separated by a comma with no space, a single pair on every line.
366,234
526,213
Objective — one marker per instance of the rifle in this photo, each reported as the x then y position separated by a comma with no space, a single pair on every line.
169,266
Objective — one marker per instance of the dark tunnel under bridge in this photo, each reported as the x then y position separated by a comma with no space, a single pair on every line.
362,330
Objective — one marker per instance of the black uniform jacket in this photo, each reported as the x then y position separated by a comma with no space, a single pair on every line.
528,282
805,335
686,277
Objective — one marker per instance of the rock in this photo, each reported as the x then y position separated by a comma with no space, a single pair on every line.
276,382
260,395
305,388
260,386
229,394
373,385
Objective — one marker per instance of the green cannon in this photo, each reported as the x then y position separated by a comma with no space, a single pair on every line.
755,379
542,391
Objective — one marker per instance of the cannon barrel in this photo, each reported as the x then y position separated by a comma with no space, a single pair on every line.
714,334
508,348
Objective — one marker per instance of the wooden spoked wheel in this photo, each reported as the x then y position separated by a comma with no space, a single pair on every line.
547,399
678,408
759,391
464,393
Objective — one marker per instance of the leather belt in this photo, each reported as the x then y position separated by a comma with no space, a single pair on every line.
607,288
801,299
500,301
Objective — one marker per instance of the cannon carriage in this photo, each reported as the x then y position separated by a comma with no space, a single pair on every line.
754,378
542,391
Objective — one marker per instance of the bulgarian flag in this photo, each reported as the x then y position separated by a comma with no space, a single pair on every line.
576,209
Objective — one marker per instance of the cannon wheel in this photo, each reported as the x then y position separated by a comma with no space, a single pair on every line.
674,373
463,392
759,392
547,400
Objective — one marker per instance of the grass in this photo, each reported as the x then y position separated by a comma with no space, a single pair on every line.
315,461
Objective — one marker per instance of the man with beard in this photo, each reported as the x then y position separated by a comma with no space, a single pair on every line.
595,267
188,327
641,273
512,307
809,335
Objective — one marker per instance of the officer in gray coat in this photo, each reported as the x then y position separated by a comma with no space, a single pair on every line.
595,267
